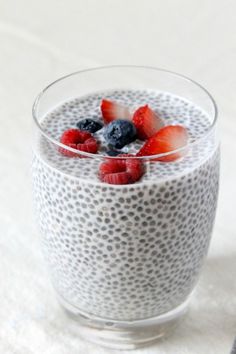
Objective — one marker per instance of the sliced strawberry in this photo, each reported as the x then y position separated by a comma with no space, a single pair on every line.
121,170
113,110
169,138
79,140
147,122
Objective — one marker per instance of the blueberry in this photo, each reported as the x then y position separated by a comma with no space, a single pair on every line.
114,153
120,133
89,125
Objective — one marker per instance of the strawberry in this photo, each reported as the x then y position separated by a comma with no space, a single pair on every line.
147,122
169,138
79,140
113,110
121,170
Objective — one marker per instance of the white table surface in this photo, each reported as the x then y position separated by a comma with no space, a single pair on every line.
43,40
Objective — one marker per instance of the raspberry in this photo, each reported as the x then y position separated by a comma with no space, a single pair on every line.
79,140
121,170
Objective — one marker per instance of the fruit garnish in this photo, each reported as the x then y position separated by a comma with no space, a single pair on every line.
112,110
79,140
121,170
89,125
119,133
169,138
147,122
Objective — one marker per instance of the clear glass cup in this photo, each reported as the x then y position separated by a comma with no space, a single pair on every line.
124,259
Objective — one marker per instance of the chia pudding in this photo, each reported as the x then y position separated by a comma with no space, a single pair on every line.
126,252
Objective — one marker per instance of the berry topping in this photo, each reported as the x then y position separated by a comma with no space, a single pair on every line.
112,111
147,122
121,170
120,133
79,140
89,125
169,138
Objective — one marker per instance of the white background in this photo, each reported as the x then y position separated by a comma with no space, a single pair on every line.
43,40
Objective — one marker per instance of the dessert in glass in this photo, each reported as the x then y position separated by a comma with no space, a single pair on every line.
125,184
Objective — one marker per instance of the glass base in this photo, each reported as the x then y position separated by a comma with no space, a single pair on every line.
124,334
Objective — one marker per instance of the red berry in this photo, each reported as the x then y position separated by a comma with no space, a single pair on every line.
117,178
79,140
169,138
121,170
147,122
113,110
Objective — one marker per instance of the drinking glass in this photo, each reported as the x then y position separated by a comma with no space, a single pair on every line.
124,259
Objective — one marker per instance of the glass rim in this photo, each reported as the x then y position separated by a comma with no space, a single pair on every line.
99,156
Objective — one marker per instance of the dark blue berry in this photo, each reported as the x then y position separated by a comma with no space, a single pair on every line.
120,133
89,125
